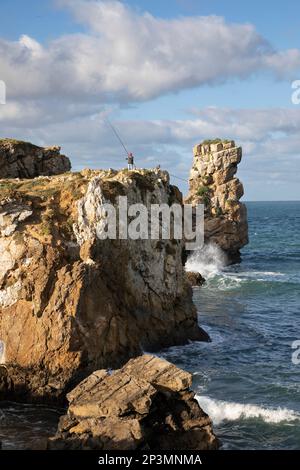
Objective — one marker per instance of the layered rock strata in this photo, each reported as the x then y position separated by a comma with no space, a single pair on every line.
213,183
146,405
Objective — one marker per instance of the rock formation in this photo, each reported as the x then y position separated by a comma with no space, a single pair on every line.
146,405
195,279
24,160
213,183
70,302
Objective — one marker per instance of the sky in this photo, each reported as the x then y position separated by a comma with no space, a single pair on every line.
168,74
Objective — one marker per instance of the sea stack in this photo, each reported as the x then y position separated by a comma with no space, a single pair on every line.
213,183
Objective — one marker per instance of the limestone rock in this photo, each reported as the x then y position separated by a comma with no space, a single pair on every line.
213,183
147,404
71,303
24,160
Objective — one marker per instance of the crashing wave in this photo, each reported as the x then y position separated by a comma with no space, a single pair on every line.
230,411
208,262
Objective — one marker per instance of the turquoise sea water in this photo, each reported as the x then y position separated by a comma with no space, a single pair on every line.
245,379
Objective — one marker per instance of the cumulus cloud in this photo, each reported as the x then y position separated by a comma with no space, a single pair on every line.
125,55
58,92
270,140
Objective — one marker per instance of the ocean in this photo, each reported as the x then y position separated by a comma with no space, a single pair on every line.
245,378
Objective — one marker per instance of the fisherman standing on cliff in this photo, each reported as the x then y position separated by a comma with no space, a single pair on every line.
130,159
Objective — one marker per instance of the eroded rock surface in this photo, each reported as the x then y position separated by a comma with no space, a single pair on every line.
24,160
195,279
213,183
71,303
148,404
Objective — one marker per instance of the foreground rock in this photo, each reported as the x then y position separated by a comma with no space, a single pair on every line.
147,404
70,302
24,160
195,279
213,183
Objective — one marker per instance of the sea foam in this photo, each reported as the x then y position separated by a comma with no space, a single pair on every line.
230,411
209,261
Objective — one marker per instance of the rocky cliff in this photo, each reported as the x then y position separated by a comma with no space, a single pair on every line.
147,405
71,303
213,183
24,160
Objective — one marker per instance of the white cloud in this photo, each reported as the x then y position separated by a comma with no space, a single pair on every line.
130,56
270,138
58,91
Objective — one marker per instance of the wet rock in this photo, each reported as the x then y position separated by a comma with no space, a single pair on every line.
5,382
195,279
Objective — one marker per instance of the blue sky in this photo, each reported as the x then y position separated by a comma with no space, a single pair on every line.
279,21
187,77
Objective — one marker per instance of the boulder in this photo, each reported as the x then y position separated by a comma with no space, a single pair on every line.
195,279
24,160
146,405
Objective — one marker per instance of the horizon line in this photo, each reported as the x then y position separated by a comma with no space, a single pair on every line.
273,200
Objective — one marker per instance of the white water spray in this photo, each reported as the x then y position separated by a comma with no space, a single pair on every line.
208,262
229,411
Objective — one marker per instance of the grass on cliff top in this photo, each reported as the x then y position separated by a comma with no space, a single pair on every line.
54,200
17,142
215,141
74,183
44,187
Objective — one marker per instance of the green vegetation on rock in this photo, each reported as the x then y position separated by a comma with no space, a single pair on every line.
211,141
202,190
16,142
215,141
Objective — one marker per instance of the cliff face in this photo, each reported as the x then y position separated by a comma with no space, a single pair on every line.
213,183
71,303
24,160
148,404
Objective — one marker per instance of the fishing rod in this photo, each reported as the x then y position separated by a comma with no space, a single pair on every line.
124,146
178,177
117,135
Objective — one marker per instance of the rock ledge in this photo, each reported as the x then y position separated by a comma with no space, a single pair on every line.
24,160
147,404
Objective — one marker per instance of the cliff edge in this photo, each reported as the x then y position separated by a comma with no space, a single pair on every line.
24,160
71,303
